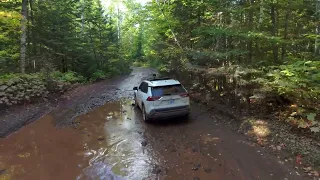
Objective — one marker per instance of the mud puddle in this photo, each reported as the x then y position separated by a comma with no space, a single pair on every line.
102,144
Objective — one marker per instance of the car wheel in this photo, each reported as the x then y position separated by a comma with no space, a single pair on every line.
186,117
135,101
144,115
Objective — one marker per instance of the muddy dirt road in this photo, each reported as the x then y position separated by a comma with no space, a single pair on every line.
104,137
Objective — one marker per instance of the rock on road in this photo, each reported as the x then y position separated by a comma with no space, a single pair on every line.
104,137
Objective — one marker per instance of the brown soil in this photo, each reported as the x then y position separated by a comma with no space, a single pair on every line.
104,137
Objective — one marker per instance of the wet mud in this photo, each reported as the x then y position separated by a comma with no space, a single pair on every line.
103,144
107,139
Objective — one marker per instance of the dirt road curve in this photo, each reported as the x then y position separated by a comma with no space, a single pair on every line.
108,140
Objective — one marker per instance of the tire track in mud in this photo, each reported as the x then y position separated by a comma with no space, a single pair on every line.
116,90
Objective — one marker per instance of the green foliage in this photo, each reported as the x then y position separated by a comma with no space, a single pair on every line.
299,78
17,77
272,44
19,88
99,75
69,77
78,36
313,124
9,35
153,63
311,116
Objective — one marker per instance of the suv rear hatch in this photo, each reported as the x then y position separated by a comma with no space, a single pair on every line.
169,96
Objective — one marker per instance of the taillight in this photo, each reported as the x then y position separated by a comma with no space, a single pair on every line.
153,98
184,95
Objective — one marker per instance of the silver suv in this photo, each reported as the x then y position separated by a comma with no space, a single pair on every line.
161,98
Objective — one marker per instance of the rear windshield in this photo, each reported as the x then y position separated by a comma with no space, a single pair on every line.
167,90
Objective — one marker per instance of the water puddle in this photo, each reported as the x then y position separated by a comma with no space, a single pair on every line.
102,144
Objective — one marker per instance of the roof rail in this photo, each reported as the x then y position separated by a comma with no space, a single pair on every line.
159,79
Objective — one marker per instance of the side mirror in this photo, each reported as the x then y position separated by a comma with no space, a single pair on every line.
135,88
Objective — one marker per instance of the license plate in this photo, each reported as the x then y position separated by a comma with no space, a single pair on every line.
171,101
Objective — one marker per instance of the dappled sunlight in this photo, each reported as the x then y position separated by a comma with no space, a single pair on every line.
259,128
10,15
254,127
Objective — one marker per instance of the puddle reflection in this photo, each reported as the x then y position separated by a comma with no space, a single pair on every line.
104,144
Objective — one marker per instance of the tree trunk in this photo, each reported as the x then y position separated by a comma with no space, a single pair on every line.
274,32
93,46
82,17
261,14
170,28
317,41
286,25
119,22
250,42
102,58
230,46
33,40
23,36
261,17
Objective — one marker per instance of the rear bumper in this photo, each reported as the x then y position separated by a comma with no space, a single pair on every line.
169,112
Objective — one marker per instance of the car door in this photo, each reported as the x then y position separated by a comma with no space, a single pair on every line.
141,93
144,93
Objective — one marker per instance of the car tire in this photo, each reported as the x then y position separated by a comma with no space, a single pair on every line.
136,102
186,117
144,115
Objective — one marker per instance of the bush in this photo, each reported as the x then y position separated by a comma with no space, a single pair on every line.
17,88
69,77
7,77
99,75
299,80
118,67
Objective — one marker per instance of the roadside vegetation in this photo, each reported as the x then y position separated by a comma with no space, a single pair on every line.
266,47
254,60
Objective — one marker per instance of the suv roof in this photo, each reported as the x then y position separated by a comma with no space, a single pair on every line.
159,79
162,82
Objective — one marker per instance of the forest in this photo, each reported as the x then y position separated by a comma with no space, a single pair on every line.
274,44
268,46
58,35
48,45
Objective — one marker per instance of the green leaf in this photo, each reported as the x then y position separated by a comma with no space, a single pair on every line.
311,116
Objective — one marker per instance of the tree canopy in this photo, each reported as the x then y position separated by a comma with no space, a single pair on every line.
64,35
280,38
